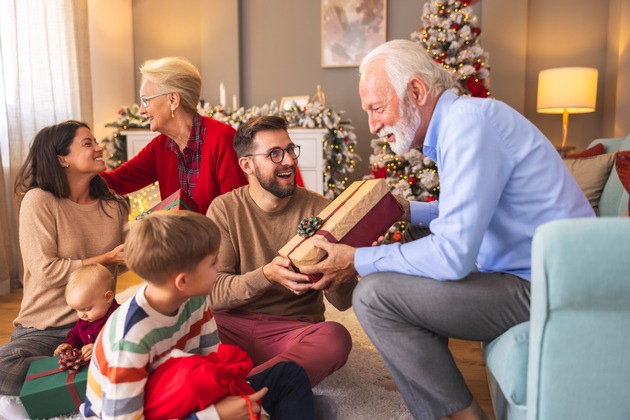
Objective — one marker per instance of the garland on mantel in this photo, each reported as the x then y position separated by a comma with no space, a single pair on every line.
338,143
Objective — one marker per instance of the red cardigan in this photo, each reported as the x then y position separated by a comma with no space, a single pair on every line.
219,171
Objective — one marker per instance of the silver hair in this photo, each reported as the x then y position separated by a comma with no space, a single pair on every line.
404,59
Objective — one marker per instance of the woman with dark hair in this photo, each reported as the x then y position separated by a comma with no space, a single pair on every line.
68,218
192,152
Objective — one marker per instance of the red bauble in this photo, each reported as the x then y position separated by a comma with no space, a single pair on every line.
397,237
379,172
477,88
413,180
430,199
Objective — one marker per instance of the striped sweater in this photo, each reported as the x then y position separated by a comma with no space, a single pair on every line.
135,341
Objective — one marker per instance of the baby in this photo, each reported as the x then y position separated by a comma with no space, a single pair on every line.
90,291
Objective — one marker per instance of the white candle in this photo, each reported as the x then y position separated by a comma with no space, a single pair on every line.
234,103
222,95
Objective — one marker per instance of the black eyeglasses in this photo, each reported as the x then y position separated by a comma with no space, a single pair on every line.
277,154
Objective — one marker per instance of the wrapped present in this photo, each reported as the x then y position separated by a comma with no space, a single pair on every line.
50,391
179,200
358,217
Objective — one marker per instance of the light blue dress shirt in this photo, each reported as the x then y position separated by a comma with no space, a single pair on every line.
500,178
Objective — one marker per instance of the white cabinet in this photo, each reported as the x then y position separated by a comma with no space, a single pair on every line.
311,161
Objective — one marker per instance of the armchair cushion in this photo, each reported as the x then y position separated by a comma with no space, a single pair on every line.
591,174
614,199
506,357
596,150
622,166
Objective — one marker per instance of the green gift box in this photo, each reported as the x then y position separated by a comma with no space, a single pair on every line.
49,391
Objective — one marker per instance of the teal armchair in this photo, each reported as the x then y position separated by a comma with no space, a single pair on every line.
571,360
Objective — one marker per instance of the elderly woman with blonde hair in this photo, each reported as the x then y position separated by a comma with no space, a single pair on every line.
192,152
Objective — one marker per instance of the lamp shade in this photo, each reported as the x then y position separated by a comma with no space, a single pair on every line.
567,89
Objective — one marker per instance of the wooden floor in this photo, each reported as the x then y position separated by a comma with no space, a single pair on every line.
467,354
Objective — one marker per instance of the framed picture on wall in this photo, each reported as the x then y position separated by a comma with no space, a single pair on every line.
351,29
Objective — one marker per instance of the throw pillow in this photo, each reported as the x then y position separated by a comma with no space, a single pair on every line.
591,174
596,150
622,165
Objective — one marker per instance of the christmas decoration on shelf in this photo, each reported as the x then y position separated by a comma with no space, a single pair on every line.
116,143
411,175
338,143
449,34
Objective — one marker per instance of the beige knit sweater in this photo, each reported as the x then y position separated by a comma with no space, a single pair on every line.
55,235
251,238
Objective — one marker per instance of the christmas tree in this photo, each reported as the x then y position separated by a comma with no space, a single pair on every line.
450,35
411,175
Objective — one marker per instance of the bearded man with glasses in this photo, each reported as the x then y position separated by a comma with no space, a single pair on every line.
258,301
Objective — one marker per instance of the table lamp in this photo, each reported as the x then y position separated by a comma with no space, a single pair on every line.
567,90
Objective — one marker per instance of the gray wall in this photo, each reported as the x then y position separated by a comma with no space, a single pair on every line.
263,50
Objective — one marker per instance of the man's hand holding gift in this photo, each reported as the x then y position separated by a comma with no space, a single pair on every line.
337,269
279,271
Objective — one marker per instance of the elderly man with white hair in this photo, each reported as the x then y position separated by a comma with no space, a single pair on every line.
469,276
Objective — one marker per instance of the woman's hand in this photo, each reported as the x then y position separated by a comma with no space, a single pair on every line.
115,256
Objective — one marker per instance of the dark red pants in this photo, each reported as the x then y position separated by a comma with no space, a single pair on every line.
320,348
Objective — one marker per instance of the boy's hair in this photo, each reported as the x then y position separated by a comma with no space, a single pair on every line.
90,277
168,242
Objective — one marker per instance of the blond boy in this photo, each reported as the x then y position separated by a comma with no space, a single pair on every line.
175,252
91,292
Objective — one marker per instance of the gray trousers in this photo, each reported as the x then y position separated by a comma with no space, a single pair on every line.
410,319
26,345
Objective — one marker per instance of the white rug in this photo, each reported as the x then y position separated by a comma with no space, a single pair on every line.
354,387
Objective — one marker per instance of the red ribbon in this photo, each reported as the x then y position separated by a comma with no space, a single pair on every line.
72,389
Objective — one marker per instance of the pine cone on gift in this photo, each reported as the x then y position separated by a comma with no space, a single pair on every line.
70,360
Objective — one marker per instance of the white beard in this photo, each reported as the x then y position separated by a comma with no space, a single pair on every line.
404,130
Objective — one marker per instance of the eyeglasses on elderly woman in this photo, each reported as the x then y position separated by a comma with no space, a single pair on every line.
144,100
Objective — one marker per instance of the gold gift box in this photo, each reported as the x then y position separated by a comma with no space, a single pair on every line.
358,217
